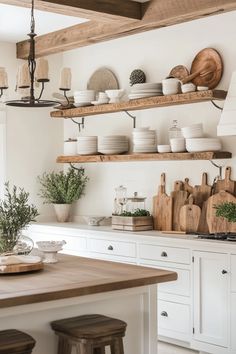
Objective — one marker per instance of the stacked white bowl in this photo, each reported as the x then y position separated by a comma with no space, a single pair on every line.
203,144
83,98
144,140
193,131
177,144
145,90
195,141
113,144
87,145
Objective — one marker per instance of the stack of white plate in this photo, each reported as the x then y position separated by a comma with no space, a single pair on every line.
193,131
87,145
203,144
83,98
113,144
144,140
145,90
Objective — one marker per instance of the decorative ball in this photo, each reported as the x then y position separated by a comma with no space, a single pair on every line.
137,77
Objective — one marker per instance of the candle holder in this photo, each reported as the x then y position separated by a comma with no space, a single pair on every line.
2,90
65,90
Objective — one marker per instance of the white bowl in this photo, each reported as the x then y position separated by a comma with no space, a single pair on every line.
163,148
177,144
94,220
50,246
193,131
115,93
189,87
202,88
70,147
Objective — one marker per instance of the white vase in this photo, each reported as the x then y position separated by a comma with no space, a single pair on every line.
62,212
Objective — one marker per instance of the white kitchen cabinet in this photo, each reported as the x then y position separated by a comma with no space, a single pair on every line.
210,298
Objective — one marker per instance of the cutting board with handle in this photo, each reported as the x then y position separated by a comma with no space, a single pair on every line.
226,184
179,197
162,208
202,192
187,186
218,224
189,216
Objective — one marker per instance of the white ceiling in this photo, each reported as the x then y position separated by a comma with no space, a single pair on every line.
15,22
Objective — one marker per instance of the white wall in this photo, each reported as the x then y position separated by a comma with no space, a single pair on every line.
33,139
156,52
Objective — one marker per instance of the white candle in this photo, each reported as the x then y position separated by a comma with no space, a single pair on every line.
42,69
65,83
23,78
3,78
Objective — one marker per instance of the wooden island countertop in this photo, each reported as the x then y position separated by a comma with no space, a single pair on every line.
76,276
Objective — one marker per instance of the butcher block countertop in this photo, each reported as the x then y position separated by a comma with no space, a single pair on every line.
76,276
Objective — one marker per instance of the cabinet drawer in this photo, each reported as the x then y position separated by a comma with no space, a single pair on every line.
163,253
117,248
174,320
179,287
72,243
233,273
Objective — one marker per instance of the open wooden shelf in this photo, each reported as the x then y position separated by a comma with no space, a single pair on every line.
142,103
209,155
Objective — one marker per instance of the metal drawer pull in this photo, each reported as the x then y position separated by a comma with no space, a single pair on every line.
110,248
164,254
164,314
224,271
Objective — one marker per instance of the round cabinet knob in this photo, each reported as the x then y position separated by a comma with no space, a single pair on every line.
163,254
224,271
164,314
110,248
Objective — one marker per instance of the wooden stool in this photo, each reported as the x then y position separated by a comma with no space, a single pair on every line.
90,334
15,342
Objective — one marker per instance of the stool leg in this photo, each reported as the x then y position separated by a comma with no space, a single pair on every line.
117,346
84,348
99,350
64,347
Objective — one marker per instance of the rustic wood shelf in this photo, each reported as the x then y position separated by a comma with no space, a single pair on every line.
143,103
209,155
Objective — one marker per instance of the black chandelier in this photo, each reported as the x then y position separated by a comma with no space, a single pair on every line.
31,100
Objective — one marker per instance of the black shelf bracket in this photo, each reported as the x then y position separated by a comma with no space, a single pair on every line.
79,124
133,117
74,168
220,168
216,105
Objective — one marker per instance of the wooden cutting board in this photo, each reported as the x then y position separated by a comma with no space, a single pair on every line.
203,192
189,216
21,268
179,197
226,184
203,226
217,224
187,186
162,208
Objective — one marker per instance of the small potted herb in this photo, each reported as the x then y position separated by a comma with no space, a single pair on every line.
138,220
62,189
15,214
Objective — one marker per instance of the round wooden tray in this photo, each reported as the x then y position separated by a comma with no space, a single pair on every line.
209,62
21,268
103,79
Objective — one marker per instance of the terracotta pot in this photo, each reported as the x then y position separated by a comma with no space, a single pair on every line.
62,212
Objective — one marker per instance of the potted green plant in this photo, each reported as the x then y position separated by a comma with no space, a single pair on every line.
15,214
62,189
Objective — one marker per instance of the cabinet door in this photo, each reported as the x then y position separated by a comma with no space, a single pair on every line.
211,298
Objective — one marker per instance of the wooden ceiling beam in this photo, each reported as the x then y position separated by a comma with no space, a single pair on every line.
156,14
105,10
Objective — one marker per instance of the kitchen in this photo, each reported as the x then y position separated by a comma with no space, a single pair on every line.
30,151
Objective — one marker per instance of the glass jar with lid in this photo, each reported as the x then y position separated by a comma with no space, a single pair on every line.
135,202
120,200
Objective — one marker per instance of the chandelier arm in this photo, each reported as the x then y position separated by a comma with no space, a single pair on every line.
41,92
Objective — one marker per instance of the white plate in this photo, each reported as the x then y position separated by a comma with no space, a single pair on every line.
147,86
82,104
99,103
112,152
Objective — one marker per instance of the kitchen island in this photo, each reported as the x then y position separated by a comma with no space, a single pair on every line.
76,286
